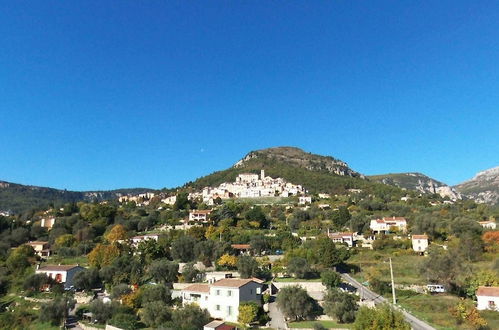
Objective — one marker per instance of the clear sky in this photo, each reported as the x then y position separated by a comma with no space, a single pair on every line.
111,94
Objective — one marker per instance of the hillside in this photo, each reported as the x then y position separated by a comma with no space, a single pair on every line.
18,198
483,187
418,182
314,172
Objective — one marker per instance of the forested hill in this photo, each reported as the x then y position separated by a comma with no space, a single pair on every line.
315,172
18,198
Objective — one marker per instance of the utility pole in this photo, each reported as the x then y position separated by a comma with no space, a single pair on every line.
393,284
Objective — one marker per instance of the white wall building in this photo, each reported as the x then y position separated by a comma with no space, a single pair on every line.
199,216
302,200
419,243
386,225
346,237
47,222
61,273
488,224
222,298
487,298
141,238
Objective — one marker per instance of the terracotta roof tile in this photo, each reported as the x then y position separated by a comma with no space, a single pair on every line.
233,282
205,288
490,291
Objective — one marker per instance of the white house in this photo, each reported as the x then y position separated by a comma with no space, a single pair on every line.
141,238
47,222
487,298
347,238
302,200
488,224
386,225
41,248
61,273
199,216
419,243
222,298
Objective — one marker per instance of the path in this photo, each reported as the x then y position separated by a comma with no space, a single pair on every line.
415,323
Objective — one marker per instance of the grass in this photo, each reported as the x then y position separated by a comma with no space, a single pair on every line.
81,260
292,279
405,265
327,324
43,326
492,319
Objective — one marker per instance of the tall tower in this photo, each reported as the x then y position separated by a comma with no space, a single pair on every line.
262,175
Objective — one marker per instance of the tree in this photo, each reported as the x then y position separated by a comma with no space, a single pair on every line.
124,321
380,318
340,305
101,311
87,279
20,258
117,233
182,248
256,214
190,273
248,312
103,255
120,290
295,303
247,267
152,293
182,201
163,271
55,311
341,217
35,282
155,313
228,261
66,240
258,244
327,253
299,267
330,279
190,317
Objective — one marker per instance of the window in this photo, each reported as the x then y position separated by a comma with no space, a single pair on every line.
229,293
217,307
258,290
229,310
217,292
492,304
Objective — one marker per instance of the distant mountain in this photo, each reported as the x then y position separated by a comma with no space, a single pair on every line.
315,173
483,188
418,182
18,198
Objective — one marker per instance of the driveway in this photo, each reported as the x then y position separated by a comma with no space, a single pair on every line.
277,320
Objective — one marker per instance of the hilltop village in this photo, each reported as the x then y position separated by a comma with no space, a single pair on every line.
259,252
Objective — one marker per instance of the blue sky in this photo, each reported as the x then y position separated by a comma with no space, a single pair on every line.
103,95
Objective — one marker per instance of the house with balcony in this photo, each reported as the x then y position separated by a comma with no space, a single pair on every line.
199,217
41,248
346,238
222,298
388,225
488,224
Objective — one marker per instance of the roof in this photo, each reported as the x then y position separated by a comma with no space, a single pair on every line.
145,236
201,211
58,267
486,222
204,288
419,236
490,291
37,243
233,282
394,219
241,246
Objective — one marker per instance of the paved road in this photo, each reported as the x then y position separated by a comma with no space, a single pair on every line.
277,321
415,323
